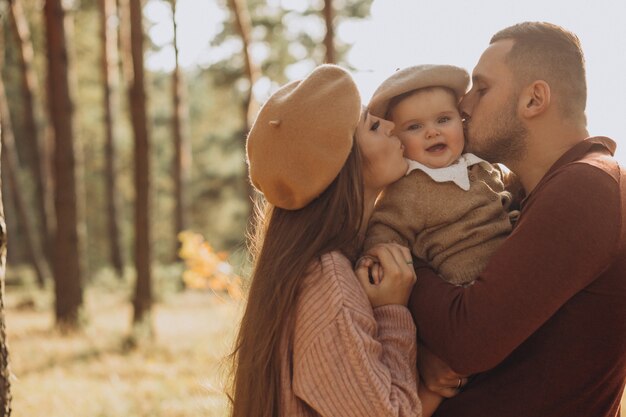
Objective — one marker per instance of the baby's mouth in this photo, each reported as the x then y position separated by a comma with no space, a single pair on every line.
436,148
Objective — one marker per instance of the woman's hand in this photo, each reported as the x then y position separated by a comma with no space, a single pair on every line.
392,271
437,375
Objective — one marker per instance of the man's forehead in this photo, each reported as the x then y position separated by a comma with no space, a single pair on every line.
493,59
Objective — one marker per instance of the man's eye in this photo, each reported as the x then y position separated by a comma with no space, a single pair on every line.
482,91
375,126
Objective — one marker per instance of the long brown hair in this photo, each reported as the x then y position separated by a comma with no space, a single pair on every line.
285,245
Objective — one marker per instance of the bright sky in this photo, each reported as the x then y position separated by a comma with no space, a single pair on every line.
400,33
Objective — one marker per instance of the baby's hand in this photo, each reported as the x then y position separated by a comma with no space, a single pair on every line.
393,263
374,269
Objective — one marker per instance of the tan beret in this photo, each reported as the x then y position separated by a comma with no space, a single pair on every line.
302,137
413,78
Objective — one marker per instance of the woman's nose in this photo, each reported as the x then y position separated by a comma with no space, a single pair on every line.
389,126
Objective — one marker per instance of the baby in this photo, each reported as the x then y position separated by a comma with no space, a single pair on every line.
450,209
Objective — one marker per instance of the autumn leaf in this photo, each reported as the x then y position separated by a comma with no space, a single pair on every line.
207,269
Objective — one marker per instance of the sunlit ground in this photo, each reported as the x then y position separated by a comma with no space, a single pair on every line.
92,375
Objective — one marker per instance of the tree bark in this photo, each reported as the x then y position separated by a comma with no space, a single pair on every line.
67,251
243,24
5,373
142,302
329,39
110,82
39,155
182,152
11,168
244,27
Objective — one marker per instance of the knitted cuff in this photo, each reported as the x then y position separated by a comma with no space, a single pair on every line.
394,317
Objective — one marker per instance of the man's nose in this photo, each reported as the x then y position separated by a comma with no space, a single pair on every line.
464,108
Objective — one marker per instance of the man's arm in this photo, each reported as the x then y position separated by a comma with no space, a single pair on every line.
566,237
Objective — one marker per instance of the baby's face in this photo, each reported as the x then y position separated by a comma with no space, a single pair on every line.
429,126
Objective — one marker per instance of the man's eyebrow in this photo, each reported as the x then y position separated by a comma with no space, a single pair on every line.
477,78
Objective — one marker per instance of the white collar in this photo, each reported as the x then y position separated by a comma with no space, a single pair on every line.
456,172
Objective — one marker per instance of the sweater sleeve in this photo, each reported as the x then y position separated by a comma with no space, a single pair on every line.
512,184
566,237
397,217
358,367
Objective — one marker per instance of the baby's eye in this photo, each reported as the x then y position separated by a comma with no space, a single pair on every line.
375,126
414,126
443,119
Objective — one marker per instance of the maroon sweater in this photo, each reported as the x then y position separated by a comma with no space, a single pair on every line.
544,326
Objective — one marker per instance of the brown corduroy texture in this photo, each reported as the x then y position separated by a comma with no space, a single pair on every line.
302,137
416,77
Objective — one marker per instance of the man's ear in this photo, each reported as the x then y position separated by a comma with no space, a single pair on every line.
535,99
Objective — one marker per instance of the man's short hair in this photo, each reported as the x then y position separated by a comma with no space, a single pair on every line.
544,51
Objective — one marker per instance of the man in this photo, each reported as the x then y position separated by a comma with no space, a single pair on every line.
542,332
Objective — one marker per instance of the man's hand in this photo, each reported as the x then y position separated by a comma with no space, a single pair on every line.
437,375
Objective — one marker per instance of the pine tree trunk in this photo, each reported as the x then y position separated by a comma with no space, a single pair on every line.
67,253
329,39
250,106
182,152
244,27
79,154
142,302
126,55
11,168
39,154
5,373
110,81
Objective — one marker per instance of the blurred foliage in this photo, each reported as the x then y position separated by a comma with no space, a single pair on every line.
207,269
217,191
286,36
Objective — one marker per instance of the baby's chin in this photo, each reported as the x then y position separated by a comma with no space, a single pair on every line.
437,163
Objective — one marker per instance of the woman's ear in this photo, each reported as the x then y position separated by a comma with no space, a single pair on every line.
535,99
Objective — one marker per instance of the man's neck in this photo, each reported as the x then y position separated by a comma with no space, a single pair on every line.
542,152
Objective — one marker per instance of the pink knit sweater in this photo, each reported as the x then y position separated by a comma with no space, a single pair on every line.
348,359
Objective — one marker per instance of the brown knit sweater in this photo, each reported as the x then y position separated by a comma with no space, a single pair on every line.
453,230
348,359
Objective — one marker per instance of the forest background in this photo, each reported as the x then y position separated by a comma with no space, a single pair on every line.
126,198
123,283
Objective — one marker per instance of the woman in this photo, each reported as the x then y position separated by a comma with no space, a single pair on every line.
318,339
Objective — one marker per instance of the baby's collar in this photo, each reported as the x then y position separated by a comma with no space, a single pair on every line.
455,172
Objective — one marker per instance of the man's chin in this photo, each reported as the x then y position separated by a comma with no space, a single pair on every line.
469,147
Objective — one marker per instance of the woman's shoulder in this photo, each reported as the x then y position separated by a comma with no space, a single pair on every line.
332,278
330,290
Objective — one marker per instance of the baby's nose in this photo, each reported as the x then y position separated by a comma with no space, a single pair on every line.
432,132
